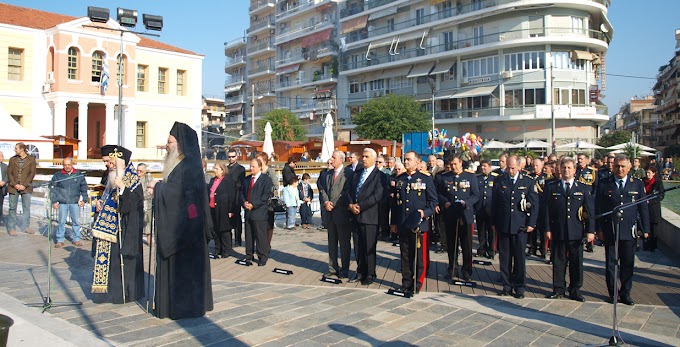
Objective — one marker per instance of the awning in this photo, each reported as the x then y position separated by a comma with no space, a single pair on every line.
442,68
410,37
383,13
477,91
233,88
421,70
581,55
354,24
396,72
233,108
288,69
596,59
317,38
436,2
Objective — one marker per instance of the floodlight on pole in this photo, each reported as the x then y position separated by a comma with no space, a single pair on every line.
152,22
127,18
98,14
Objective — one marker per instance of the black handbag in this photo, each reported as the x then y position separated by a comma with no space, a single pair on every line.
277,205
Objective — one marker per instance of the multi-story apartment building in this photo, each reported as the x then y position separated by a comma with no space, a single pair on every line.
493,67
667,97
213,122
639,117
50,82
235,91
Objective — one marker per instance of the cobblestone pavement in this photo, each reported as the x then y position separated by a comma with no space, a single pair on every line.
258,309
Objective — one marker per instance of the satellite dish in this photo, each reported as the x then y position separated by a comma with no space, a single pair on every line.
240,132
604,28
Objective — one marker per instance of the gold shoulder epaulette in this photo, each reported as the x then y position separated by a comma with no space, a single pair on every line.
425,172
494,173
470,171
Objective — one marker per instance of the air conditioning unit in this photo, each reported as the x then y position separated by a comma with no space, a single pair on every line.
46,88
50,77
465,79
506,74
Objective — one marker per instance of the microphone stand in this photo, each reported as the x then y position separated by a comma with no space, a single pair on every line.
46,302
615,339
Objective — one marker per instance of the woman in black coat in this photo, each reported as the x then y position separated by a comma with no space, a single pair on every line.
653,185
222,193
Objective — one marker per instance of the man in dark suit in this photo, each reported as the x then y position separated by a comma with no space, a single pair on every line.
255,195
333,193
415,193
321,182
483,213
3,185
365,193
458,192
515,205
537,242
502,163
568,221
236,173
618,189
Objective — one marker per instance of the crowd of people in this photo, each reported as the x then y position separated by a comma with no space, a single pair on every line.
548,208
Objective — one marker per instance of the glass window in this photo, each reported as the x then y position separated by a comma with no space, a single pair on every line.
162,79
353,87
14,64
181,75
141,78
141,135
97,62
529,97
72,63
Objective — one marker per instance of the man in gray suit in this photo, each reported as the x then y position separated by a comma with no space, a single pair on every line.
3,185
333,193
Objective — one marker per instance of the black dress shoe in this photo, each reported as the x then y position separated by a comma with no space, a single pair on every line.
367,281
404,290
356,278
466,277
504,293
610,300
627,300
577,297
261,263
519,296
238,242
329,274
555,296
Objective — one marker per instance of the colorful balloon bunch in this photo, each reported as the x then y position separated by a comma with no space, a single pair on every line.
468,145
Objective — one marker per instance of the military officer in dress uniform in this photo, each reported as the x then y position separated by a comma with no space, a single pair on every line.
567,220
606,170
458,192
483,212
414,193
537,241
619,189
515,206
589,175
502,164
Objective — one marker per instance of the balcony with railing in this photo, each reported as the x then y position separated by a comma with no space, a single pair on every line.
234,79
289,34
235,100
260,47
235,119
304,6
232,45
233,62
311,105
313,53
354,7
307,82
500,37
261,70
257,6
266,23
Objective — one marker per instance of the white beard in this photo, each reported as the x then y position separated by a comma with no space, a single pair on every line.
110,181
172,158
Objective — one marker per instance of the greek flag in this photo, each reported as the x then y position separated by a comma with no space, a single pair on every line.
104,78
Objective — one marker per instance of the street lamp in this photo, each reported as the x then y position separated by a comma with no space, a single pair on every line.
126,18
432,84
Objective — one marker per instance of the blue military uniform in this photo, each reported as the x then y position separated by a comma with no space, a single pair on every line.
537,242
608,196
483,215
512,215
412,193
588,176
462,192
568,216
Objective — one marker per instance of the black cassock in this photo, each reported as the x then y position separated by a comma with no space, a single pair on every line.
131,209
183,288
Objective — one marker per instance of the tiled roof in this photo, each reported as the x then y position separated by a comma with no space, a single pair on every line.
36,19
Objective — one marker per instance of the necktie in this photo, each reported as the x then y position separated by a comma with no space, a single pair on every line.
252,183
362,179
335,175
620,185
568,189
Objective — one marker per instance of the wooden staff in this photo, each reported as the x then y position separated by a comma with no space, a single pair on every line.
148,274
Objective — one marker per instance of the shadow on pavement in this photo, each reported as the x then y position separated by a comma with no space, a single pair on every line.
360,335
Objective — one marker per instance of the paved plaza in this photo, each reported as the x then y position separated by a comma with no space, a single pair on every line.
257,307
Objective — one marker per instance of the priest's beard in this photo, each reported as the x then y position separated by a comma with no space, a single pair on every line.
172,158
110,184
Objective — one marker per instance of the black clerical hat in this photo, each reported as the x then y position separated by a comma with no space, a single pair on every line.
187,139
116,151
413,221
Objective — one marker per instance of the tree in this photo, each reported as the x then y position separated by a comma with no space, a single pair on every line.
615,138
285,126
388,117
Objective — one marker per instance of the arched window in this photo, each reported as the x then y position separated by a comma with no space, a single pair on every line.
73,63
121,77
97,62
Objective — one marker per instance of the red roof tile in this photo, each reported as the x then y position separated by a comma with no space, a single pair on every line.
37,19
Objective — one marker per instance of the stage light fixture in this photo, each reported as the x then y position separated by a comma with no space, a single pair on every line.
98,14
127,18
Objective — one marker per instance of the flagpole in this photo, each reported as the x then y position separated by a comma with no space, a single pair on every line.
120,91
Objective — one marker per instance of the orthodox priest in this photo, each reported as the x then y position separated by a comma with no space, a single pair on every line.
180,202
117,232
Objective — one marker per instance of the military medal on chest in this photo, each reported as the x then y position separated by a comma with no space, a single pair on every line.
419,185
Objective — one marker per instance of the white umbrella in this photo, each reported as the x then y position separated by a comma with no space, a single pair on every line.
532,144
268,145
497,145
646,154
328,142
623,145
580,145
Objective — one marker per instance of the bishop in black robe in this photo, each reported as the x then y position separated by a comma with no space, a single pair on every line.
183,287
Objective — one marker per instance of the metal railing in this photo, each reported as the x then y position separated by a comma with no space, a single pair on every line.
261,24
254,5
362,6
234,60
235,100
289,34
262,68
471,42
231,79
238,41
305,4
299,81
258,46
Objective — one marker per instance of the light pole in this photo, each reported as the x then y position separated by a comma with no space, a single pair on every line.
552,109
432,84
128,19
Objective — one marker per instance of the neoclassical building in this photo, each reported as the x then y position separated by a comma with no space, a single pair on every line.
51,76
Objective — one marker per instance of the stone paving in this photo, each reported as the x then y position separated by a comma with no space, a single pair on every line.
252,313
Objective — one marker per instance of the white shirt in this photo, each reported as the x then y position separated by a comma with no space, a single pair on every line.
515,178
256,177
617,180
369,170
571,184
